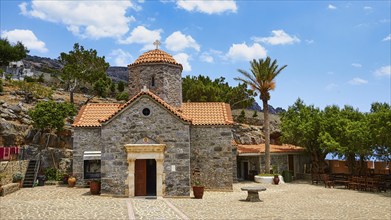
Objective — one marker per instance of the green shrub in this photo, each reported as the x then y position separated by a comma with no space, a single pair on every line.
122,96
29,79
41,78
255,114
16,177
51,173
121,86
242,116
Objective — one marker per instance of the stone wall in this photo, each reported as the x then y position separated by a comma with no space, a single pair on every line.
85,139
167,81
131,126
211,152
279,160
8,168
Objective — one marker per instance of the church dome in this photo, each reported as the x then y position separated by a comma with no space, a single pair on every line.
155,56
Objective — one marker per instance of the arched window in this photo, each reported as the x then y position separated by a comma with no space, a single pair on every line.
153,81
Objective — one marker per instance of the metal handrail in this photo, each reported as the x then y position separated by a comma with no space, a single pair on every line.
36,168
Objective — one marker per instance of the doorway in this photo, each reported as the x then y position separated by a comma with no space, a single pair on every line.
145,177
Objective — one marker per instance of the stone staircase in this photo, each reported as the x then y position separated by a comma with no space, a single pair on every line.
30,176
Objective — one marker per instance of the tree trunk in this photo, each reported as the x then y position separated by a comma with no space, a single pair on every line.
71,96
267,135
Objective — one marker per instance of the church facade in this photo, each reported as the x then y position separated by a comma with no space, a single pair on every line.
153,144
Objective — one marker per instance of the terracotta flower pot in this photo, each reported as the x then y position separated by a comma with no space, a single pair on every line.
198,191
95,187
276,179
71,181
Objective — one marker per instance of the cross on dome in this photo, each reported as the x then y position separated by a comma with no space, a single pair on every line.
157,44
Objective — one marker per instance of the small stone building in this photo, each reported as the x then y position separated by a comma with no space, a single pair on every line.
251,159
152,144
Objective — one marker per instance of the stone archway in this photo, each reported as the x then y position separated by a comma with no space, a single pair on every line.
145,151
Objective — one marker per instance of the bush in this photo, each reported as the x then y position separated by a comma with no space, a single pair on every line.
122,96
242,116
54,174
100,87
121,86
29,79
16,177
51,115
255,114
41,78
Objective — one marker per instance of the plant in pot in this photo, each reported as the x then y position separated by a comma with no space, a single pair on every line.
198,187
71,181
95,187
17,178
276,178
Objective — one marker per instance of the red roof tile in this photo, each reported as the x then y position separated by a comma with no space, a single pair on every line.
90,114
155,56
260,148
153,96
208,113
198,113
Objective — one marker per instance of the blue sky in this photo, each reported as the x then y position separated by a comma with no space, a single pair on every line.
337,52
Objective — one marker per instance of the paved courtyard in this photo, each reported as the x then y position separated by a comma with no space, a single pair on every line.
286,201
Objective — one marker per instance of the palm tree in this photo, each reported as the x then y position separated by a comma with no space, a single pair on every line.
261,79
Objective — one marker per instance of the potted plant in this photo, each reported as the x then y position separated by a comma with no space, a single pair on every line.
17,178
95,187
276,178
71,181
198,190
198,187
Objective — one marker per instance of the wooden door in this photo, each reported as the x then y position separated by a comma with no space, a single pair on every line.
140,178
291,163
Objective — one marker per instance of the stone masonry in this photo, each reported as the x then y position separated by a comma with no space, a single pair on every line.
129,127
211,152
167,81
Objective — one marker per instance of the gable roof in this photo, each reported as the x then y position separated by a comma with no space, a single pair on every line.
260,149
208,113
154,97
197,113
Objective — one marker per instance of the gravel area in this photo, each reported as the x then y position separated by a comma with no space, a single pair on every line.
288,201
299,200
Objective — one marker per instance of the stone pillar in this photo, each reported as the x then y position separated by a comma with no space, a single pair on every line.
159,177
130,180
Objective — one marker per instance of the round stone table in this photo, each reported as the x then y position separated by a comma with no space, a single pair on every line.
252,193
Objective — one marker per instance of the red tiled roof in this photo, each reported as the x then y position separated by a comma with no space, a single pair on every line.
198,113
153,96
208,113
90,114
155,56
260,148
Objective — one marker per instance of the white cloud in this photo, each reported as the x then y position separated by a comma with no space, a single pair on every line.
246,53
208,7
357,65
367,8
206,57
331,7
183,59
331,86
27,37
120,57
141,35
388,38
178,42
87,19
383,71
278,37
357,81
309,41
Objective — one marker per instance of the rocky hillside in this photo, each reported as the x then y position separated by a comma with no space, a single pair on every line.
118,73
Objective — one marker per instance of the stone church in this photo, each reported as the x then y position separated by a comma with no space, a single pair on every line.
153,144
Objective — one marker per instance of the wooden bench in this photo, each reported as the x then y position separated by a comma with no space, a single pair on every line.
252,193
